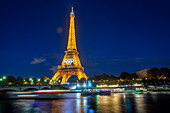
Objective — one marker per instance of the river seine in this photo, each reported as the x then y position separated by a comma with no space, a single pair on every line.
153,102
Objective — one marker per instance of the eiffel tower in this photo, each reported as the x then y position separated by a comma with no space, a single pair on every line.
71,64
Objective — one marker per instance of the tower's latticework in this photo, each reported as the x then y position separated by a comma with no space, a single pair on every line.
71,63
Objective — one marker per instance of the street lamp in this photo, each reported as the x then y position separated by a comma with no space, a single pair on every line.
0,79
78,85
30,79
45,80
84,84
38,80
89,84
4,77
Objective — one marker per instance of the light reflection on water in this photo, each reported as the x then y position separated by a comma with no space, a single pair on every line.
114,103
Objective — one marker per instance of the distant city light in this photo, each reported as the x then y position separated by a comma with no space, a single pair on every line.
84,84
78,84
89,84
38,80
0,79
30,79
68,83
4,77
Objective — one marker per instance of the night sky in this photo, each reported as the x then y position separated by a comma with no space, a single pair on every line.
112,35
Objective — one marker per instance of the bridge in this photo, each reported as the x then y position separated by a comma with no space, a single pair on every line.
25,88
36,87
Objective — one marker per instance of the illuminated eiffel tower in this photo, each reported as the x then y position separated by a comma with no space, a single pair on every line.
71,64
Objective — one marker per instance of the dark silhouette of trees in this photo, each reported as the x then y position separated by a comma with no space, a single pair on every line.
153,72
125,75
134,76
19,81
156,72
165,72
112,77
10,79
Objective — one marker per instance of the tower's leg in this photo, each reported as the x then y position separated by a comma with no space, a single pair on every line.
84,76
56,76
64,79
81,75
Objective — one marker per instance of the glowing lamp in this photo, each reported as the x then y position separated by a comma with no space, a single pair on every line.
89,84
30,79
84,85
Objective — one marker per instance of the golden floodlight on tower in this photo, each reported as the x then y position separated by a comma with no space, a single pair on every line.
71,64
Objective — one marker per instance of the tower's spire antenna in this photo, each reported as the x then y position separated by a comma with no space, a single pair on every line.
72,9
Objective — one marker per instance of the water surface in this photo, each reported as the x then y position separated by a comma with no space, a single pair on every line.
154,102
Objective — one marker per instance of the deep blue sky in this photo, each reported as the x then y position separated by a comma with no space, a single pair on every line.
112,35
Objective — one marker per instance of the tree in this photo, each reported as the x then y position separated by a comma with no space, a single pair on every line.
44,80
35,81
134,75
95,77
165,72
19,81
11,79
154,73
124,75
112,77
105,76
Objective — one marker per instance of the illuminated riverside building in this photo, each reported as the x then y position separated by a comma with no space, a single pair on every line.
71,64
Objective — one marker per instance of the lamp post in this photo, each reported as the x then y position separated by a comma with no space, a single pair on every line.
4,77
45,81
31,80
0,81
38,81
4,80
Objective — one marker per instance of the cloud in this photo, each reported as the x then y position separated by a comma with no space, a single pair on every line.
38,60
94,61
54,69
59,30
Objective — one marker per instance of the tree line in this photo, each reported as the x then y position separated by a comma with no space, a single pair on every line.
154,76
11,80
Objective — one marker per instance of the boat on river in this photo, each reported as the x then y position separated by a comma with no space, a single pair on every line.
129,90
40,94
